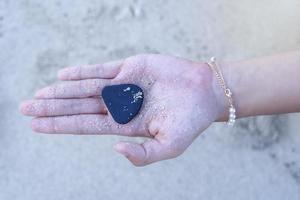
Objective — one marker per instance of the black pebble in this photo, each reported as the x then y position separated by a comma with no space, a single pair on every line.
123,101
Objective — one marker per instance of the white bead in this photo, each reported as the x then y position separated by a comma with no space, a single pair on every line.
232,116
231,121
231,110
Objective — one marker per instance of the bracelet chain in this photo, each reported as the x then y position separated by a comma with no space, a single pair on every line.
213,65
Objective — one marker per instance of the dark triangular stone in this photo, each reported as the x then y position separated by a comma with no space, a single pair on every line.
123,101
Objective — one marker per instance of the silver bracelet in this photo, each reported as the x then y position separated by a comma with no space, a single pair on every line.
231,110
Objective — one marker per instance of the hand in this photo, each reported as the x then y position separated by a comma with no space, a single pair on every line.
179,104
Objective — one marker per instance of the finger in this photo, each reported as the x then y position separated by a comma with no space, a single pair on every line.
105,71
83,124
73,89
148,152
56,107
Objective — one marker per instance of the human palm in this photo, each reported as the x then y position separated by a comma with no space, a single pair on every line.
179,103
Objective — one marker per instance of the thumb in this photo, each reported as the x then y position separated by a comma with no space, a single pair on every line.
145,153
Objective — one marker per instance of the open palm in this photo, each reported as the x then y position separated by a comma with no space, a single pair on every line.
179,103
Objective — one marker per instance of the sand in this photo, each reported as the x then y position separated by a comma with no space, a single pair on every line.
259,158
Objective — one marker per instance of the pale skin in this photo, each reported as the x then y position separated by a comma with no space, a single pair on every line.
182,99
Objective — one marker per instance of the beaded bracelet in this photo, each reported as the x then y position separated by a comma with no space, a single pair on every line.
213,65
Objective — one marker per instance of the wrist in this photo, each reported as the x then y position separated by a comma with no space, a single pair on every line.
204,76
225,80
222,103
238,80
207,79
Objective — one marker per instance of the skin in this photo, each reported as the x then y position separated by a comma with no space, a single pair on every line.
266,85
182,98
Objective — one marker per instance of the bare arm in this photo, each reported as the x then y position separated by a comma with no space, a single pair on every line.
263,86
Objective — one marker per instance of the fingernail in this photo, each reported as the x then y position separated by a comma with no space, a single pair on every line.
39,93
35,125
44,93
42,126
120,148
62,74
25,107
67,73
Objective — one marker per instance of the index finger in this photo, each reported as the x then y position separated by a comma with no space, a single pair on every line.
106,71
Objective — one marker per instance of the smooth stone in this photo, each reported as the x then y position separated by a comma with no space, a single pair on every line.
123,101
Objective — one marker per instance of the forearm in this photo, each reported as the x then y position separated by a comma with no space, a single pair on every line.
263,86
